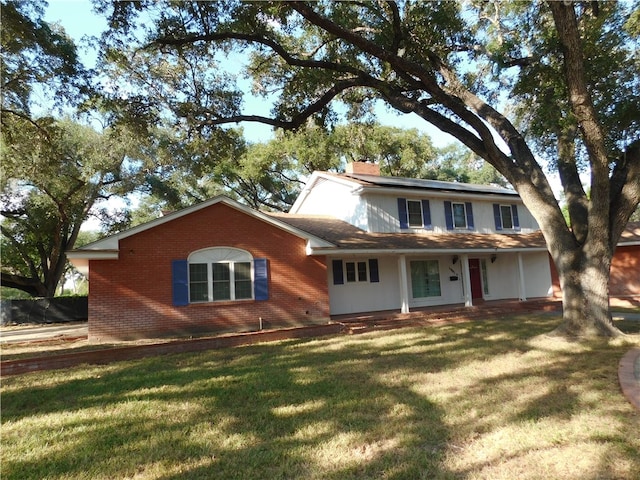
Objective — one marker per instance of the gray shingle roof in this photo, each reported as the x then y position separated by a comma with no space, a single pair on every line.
346,236
424,184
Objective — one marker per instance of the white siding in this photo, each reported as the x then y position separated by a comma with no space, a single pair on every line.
332,198
537,275
366,296
502,277
382,212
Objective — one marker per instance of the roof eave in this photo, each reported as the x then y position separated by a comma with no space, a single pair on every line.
434,193
421,251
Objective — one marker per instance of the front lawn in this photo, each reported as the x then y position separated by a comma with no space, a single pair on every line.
486,399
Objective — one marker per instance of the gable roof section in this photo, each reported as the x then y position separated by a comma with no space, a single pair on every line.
107,248
360,183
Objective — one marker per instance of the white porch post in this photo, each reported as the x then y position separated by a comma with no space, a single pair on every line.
522,295
466,281
404,286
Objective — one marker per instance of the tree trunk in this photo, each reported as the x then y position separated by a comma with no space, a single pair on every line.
584,280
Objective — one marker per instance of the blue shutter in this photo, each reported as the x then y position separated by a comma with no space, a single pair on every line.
469,210
402,213
180,282
338,274
514,215
448,215
426,215
261,279
374,274
497,217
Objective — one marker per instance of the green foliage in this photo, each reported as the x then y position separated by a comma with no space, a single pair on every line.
37,56
52,178
270,175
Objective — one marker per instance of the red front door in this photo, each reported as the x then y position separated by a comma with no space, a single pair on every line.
476,279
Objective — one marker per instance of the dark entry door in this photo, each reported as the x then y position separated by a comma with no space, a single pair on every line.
476,279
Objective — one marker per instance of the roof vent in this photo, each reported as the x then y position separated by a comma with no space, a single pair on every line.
363,168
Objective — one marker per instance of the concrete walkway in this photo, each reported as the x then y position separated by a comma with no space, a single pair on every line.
32,333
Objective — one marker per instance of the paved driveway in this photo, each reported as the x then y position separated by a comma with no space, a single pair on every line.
42,332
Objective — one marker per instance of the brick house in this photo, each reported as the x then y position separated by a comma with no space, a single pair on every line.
352,243
140,279
624,286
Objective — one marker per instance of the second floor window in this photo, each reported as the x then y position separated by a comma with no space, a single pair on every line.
506,217
414,214
458,215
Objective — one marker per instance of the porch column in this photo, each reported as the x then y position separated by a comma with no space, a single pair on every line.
404,286
522,295
466,281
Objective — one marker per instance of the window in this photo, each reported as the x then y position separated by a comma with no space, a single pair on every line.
229,281
459,215
506,217
485,277
219,274
352,272
505,213
414,213
425,278
356,271
198,282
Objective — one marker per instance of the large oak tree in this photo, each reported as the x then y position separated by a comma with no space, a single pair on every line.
467,69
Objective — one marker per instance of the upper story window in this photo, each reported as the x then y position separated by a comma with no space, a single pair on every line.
506,217
458,215
414,213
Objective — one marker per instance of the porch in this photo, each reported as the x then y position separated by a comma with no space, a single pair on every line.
442,314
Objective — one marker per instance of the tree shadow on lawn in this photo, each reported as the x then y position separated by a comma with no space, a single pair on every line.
364,406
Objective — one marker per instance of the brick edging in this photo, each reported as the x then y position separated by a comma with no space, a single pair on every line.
52,362
629,383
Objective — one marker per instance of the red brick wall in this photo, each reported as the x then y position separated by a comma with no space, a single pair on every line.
625,273
131,297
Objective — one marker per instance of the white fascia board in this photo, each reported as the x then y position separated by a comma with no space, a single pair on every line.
93,254
419,251
420,192
628,243
96,249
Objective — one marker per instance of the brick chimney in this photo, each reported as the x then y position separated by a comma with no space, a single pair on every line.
363,168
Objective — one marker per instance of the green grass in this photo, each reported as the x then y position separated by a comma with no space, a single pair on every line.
489,399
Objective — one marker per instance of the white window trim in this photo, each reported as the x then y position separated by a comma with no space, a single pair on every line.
502,218
419,202
227,255
453,216
411,280
357,280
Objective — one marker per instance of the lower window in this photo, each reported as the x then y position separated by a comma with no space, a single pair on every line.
210,282
425,278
